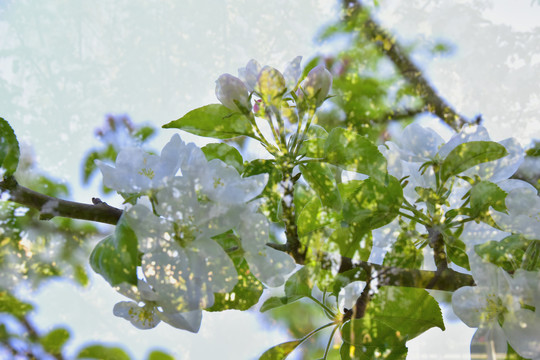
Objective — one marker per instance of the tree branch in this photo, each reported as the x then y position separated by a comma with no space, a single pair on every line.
389,46
50,207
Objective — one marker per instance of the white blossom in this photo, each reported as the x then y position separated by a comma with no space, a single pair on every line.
233,93
523,205
137,171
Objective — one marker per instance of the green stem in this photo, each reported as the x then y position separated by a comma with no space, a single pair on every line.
316,331
325,308
327,350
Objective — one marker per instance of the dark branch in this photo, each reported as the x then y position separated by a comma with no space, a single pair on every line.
389,46
50,207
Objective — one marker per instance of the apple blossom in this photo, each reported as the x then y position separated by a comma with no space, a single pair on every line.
317,84
494,307
149,315
523,205
232,93
138,171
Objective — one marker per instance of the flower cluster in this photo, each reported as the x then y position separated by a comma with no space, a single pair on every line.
192,201
417,155
500,307
271,87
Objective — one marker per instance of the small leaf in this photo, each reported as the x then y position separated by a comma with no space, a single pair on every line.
100,352
11,305
314,216
275,302
354,152
9,149
410,311
281,351
116,257
507,253
215,121
373,204
466,155
243,296
159,355
299,284
54,340
484,195
226,153
321,178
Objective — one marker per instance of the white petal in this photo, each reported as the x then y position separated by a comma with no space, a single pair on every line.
522,328
419,144
490,342
349,294
468,304
190,321
141,317
292,72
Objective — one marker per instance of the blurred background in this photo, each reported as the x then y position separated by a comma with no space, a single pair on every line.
82,78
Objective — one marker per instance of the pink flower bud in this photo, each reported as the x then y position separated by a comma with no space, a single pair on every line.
270,85
232,93
317,84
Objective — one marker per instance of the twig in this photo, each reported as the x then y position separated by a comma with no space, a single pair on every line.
389,46
50,207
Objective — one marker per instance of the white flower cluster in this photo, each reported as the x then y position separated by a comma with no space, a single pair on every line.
504,308
271,86
193,200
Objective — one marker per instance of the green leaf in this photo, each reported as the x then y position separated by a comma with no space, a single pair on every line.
79,273
371,334
351,240
275,302
321,178
507,253
144,133
100,352
271,192
280,351
54,340
411,311
351,352
404,253
11,305
456,251
469,154
159,355
9,149
243,296
373,204
313,217
225,153
354,152
116,257
313,145
299,284
484,195
215,121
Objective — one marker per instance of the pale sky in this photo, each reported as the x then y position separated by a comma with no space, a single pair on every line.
76,61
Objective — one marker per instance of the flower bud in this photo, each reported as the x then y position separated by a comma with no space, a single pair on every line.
270,84
250,74
317,84
232,93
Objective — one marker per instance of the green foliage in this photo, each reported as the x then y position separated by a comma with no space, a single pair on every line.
9,149
484,195
101,352
245,293
281,351
271,192
314,216
226,153
90,167
215,121
116,257
352,240
298,285
321,178
54,340
372,203
394,316
11,305
404,253
159,355
354,152
466,155
510,252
